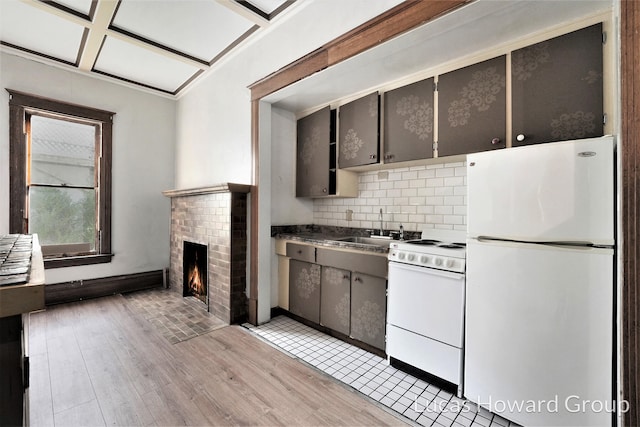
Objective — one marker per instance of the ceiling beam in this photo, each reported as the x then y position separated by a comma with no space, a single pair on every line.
100,27
245,12
102,18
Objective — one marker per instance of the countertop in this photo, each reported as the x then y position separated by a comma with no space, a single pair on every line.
327,235
26,296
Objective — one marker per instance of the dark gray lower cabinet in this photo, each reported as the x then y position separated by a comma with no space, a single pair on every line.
368,309
335,299
325,289
304,290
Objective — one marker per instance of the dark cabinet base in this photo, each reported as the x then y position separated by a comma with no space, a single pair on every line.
11,371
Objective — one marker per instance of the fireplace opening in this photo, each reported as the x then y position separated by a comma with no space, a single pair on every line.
194,258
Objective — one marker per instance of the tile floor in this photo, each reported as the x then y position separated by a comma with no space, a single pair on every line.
178,319
417,400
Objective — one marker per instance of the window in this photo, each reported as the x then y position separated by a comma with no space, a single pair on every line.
60,178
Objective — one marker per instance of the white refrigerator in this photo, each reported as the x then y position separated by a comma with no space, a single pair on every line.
539,325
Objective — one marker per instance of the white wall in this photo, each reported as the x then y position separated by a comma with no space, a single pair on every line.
143,162
214,116
213,142
285,207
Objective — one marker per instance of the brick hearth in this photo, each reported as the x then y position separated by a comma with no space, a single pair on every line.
217,217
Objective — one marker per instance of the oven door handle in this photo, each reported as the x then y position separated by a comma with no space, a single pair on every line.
426,270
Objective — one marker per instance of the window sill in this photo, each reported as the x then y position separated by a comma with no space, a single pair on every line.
73,261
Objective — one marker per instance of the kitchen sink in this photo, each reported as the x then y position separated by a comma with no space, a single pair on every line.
365,240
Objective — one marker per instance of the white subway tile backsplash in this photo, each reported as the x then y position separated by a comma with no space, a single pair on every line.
445,172
443,191
418,197
443,210
401,184
417,201
409,192
454,181
409,175
427,191
435,182
427,173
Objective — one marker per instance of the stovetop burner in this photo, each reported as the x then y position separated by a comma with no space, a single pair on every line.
454,246
425,242
437,243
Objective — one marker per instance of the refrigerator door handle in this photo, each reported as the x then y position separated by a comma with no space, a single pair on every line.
575,245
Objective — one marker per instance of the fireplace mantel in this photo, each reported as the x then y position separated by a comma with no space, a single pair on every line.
215,216
226,187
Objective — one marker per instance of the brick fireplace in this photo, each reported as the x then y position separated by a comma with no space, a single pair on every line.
215,217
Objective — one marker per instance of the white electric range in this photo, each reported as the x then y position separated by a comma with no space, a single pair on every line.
425,308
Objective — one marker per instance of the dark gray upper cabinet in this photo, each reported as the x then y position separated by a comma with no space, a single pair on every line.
358,140
313,150
408,122
557,88
472,108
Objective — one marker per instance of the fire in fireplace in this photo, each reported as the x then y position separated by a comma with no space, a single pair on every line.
194,258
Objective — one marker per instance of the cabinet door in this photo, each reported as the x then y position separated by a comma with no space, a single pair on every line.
359,132
408,122
557,88
312,166
335,299
472,108
368,309
304,290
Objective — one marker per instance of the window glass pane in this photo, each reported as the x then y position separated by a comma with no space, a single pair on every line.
63,215
62,152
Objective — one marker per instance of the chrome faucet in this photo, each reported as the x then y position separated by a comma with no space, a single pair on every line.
381,230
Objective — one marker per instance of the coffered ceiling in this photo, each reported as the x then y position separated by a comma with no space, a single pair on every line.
162,45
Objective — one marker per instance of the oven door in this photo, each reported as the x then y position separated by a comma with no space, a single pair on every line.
426,301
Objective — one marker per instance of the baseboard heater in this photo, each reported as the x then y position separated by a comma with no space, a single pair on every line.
77,290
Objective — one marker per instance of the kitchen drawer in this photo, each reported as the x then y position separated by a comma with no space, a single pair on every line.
362,263
429,355
301,252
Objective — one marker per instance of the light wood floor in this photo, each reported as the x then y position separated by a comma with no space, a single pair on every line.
99,363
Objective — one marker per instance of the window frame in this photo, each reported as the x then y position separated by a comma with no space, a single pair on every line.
20,105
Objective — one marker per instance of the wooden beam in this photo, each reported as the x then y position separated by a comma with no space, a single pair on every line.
253,214
630,197
400,19
396,21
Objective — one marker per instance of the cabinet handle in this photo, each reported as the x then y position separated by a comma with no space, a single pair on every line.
520,137
299,251
345,277
495,141
357,279
324,190
388,156
372,156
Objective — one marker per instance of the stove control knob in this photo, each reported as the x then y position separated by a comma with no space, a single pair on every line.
438,261
410,257
449,263
424,259
400,255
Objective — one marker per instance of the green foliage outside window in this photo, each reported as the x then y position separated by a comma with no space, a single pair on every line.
62,216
